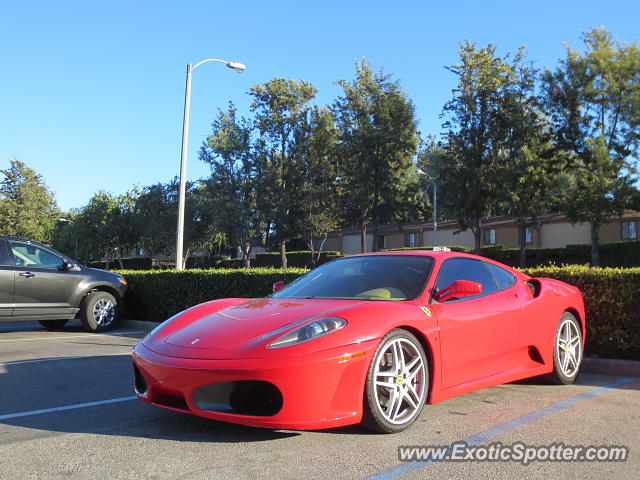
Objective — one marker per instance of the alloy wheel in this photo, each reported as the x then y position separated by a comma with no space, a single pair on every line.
400,378
569,347
104,312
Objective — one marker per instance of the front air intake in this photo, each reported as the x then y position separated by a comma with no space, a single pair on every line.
168,398
248,397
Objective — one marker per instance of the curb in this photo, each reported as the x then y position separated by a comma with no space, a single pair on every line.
606,366
609,366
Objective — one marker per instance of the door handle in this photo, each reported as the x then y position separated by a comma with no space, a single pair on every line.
27,274
513,296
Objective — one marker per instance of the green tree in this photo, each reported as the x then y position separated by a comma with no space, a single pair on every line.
65,238
27,208
104,228
280,107
319,195
155,215
529,167
233,184
593,99
95,228
156,211
478,130
378,139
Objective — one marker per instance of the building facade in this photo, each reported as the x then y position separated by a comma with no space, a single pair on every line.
552,230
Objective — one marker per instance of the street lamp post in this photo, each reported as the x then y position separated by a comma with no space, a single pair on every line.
238,67
434,184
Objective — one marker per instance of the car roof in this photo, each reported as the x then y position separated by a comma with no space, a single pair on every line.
430,253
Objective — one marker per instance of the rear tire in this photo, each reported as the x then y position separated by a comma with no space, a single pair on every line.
99,312
397,383
53,324
567,351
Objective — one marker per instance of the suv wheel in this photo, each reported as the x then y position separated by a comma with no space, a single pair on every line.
99,312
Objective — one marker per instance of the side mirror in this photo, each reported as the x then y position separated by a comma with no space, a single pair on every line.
68,266
459,288
277,286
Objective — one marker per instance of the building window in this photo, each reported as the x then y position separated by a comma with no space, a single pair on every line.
490,236
410,240
629,231
527,235
383,242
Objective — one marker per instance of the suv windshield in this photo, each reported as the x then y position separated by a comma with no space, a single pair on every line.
374,277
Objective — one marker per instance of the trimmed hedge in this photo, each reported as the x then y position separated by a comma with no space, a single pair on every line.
295,259
299,259
156,295
613,254
612,303
535,256
612,297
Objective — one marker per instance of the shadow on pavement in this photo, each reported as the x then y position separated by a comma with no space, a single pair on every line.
28,387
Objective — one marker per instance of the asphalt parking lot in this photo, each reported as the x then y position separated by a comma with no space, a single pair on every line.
67,411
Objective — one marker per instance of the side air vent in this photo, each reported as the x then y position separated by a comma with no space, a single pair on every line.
534,354
535,287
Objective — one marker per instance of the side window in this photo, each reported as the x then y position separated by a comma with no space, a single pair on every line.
26,255
3,257
466,269
505,279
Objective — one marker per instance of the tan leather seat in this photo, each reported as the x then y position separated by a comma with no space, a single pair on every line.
384,293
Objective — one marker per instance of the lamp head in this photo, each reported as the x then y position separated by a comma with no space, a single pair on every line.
237,66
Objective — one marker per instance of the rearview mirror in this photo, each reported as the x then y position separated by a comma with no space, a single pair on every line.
278,286
459,288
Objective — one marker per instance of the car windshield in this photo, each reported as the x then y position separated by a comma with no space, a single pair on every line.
374,277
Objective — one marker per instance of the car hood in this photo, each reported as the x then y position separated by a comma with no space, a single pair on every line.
239,329
100,274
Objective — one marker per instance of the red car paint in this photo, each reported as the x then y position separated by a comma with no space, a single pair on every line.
472,344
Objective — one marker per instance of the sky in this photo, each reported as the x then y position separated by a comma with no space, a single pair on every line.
92,93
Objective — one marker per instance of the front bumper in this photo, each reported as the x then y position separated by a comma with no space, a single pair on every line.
319,390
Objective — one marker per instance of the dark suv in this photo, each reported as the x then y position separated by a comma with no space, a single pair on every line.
38,283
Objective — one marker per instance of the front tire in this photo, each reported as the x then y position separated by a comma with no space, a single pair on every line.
397,383
53,324
567,351
99,312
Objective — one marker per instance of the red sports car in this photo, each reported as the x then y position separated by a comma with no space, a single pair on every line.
369,338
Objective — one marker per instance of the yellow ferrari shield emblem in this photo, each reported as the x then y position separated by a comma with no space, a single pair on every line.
426,311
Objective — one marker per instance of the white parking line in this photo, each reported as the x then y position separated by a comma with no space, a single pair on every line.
119,334
66,407
38,360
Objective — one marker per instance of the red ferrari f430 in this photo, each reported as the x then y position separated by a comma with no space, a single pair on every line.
363,339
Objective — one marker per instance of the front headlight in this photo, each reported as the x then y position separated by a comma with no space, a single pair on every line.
315,329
